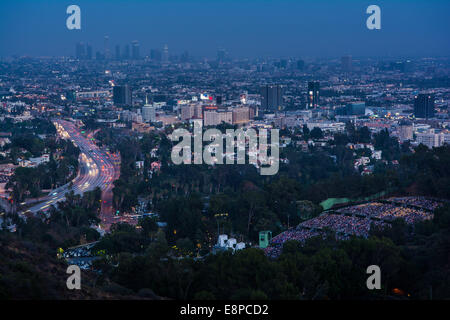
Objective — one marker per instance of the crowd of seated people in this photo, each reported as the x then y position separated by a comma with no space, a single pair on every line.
295,234
387,212
298,234
421,202
371,210
357,220
410,215
342,224
273,251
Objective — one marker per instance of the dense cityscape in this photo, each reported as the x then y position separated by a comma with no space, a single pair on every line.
88,176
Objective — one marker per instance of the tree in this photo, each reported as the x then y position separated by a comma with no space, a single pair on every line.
148,225
159,247
316,133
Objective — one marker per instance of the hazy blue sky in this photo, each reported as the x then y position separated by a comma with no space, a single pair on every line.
246,28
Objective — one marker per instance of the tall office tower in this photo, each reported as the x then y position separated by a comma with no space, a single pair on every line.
80,51
165,54
88,52
122,95
313,94
424,106
346,63
155,55
219,100
184,57
221,55
126,52
271,97
99,56
300,64
106,48
135,50
117,55
148,112
356,108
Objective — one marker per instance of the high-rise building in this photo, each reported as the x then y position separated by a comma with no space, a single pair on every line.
300,64
118,56
155,55
313,95
431,140
214,117
148,113
88,52
165,54
106,48
198,111
184,57
271,97
186,112
346,63
405,131
122,95
424,106
126,52
80,52
99,56
221,55
402,66
135,50
356,109
241,115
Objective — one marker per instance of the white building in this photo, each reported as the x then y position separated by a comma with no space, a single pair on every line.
405,132
430,139
225,243
148,113
214,118
34,162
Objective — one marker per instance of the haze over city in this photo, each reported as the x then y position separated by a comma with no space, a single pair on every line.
323,28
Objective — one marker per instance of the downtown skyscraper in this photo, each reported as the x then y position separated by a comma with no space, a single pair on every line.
271,97
313,95
424,106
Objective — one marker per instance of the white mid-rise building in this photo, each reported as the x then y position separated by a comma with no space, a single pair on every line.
148,113
405,133
431,140
214,118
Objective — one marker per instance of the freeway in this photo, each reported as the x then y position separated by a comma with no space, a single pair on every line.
98,168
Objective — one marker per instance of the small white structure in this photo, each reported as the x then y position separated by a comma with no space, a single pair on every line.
231,243
225,243
223,238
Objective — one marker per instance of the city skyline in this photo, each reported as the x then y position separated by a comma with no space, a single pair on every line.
278,29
